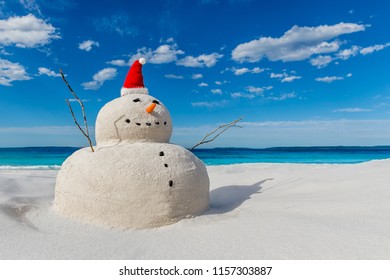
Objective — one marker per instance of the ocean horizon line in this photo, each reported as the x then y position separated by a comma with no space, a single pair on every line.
52,157
224,147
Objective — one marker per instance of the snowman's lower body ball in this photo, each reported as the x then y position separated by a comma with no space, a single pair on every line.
139,185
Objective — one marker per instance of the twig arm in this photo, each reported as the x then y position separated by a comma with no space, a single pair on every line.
86,132
78,125
221,129
78,100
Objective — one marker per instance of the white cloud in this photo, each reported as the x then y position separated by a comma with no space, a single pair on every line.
47,72
373,48
289,79
252,92
208,60
347,53
277,76
75,100
169,53
298,43
203,84
210,104
241,71
349,75
321,61
221,82
216,91
118,62
10,72
283,96
329,79
196,76
242,95
257,70
173,76
99,78
284,77
258,90
87,45
26,32
352,110
163,54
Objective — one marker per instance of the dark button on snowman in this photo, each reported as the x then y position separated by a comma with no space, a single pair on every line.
135,178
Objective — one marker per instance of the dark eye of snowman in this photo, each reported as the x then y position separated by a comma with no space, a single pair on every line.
137,100
155,101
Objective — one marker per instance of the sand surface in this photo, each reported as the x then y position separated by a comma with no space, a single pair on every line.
258,211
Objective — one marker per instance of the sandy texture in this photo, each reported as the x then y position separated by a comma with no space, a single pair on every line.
124,121
140,185
258,211
135,178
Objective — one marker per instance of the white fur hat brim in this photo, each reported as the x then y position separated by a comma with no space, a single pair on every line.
126,91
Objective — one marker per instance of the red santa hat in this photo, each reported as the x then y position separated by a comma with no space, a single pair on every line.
134,82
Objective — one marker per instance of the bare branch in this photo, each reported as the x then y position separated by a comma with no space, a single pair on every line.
78,125
78,100
74,117
86,132
221,129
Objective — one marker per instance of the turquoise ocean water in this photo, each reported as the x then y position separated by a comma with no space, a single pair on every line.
53,157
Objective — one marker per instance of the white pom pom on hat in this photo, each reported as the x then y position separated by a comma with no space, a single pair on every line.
134,82
142,60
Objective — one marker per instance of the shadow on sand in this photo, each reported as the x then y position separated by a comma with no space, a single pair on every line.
17,209
226,199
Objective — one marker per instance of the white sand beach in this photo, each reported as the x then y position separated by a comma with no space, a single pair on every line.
258,211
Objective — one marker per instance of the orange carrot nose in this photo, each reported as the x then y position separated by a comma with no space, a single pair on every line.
151,108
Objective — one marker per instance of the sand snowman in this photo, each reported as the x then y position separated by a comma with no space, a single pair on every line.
135,178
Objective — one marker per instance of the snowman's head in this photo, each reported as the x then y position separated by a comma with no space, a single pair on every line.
134,117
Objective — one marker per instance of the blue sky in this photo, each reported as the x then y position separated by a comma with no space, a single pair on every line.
301,72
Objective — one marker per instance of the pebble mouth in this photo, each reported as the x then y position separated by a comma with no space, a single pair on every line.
148,124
